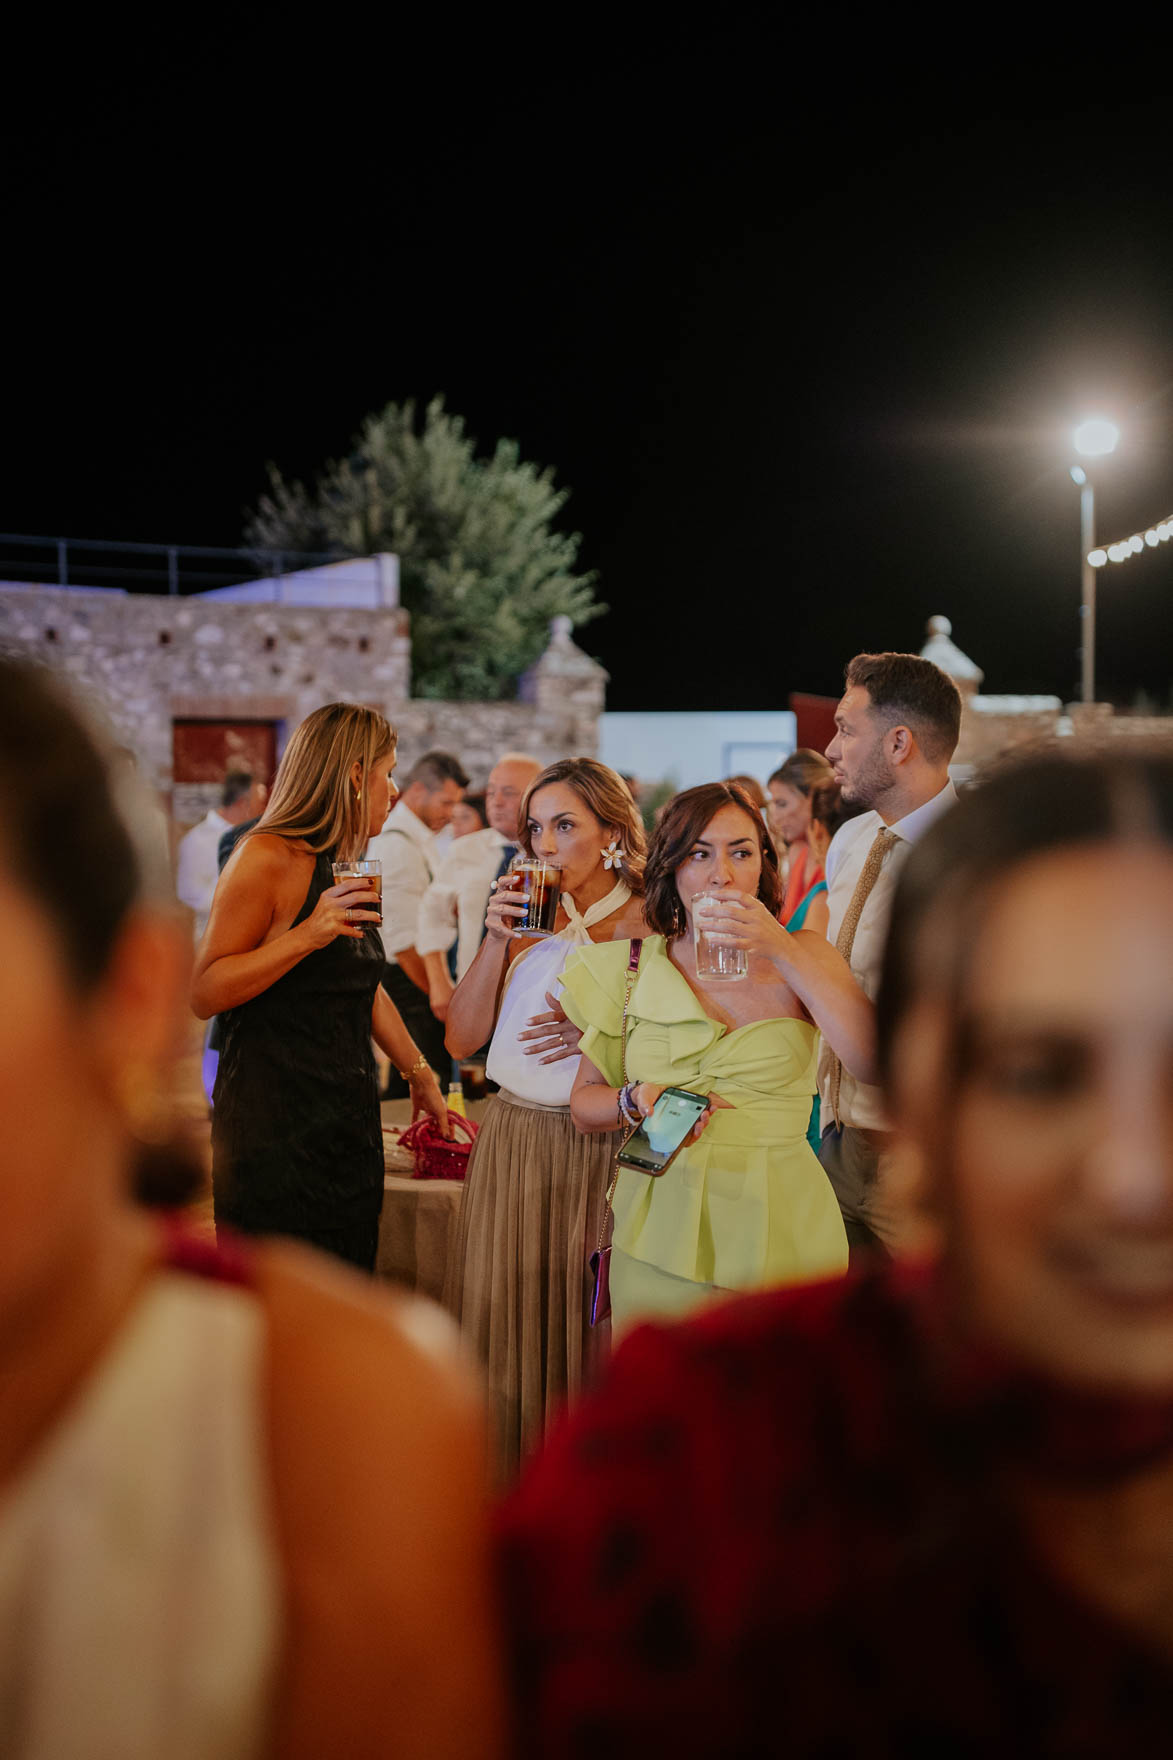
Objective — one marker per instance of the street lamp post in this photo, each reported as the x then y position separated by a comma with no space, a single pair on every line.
1095,438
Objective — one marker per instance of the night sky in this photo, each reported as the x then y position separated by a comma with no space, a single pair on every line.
805,342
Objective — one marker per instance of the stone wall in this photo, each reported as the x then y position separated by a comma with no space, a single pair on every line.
993,727
149,660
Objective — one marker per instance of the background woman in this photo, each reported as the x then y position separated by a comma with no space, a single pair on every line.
944,1498
747,1203
828,811
468,815
788,816
291,962
199,1553
519,1281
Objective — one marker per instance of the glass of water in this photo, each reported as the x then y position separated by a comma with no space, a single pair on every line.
714,960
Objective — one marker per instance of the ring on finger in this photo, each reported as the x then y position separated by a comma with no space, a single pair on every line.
349,918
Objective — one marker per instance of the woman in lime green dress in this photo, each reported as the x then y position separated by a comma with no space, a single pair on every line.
745,1203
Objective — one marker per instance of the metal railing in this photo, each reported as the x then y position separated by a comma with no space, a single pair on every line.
104,562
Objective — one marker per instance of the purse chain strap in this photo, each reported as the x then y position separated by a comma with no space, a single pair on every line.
632,973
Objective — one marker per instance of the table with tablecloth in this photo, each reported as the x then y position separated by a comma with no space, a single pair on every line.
418,1220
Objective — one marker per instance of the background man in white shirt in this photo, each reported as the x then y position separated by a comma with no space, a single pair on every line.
452,913
405,846
897,728
197,868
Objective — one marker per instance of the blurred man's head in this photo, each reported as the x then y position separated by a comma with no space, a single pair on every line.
242,797
433,786
509,778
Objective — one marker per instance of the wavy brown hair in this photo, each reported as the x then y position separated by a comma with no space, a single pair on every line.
682,822
605,794
803,771
313,800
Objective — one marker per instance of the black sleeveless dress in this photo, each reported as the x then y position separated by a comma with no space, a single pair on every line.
297,1146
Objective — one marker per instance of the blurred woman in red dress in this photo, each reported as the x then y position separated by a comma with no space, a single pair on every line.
927,1510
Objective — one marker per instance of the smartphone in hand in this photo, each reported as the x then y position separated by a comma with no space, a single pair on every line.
663,1131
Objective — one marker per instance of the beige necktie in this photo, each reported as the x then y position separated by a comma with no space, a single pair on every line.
845,940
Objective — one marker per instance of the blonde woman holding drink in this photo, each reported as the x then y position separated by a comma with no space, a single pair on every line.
725,1004
518,1278
291,961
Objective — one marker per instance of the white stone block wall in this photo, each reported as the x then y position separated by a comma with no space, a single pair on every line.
147,660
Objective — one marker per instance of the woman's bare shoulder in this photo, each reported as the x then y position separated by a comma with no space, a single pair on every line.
264,852
627,924
338,1327
379,1470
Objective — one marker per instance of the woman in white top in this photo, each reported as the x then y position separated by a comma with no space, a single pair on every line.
518,1277
240,1511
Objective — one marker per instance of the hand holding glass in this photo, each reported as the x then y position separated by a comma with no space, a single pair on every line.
372,873
713,959
539,888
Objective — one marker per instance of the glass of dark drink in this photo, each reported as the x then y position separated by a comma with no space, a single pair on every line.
472,1081
538,887
372,873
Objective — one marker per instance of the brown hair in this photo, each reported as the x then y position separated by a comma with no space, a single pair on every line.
313,800
682,822
752,787
903,688
60,792
605,794
57,796
803,770
830,810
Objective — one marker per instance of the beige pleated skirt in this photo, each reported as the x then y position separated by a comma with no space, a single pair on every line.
518,1278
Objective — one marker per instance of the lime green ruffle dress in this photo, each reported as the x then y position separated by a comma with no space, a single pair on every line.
747,1205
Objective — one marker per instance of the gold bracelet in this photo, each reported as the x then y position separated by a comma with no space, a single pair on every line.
421,1063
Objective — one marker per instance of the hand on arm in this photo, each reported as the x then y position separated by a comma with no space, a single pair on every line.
816,972
234,962
553,1033
391,1036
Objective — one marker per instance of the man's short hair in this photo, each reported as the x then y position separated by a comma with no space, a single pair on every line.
434,769
905,688
236,785
519,758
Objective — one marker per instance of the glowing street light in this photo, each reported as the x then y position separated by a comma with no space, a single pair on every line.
1094,438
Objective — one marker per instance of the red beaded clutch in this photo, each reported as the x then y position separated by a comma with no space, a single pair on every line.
435,1156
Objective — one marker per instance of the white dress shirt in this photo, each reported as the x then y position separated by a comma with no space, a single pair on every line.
860,1104
453,907
404,846
197,869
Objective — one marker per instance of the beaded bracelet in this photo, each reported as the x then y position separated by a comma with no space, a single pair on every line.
627,1107
421,1063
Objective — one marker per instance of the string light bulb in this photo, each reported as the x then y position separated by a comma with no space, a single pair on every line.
1133,546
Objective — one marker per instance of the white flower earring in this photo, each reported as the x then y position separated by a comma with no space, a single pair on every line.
613,855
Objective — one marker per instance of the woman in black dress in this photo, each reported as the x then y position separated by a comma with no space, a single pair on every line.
292,962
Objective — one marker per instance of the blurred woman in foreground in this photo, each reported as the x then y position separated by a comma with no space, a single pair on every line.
239,1499
929,1510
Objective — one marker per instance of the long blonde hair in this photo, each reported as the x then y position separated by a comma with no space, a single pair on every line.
605,794
314,800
